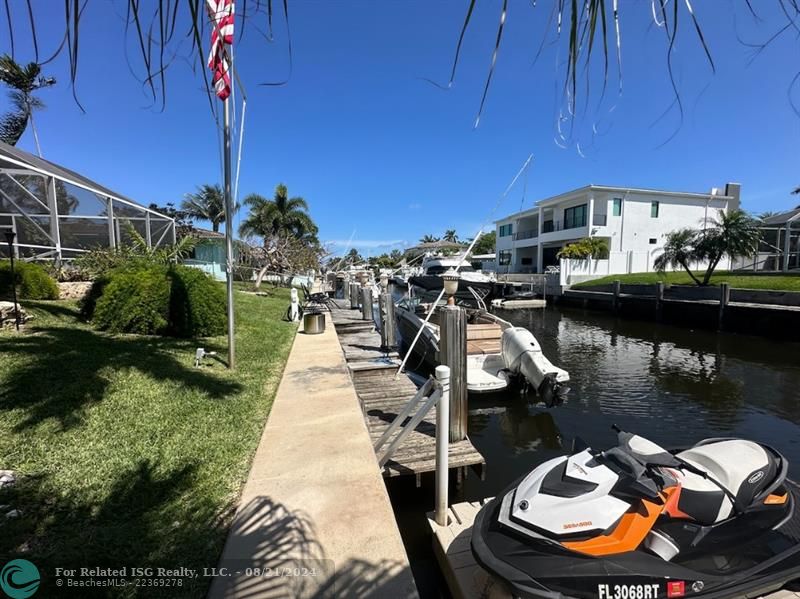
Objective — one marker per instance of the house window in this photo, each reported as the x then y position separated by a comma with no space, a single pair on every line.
504,257
653,209
617,208
526,261
506,230
653,241
575,217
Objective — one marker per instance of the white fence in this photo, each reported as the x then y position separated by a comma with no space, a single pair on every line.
618,263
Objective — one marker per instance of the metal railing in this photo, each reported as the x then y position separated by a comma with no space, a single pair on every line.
435,392
529,234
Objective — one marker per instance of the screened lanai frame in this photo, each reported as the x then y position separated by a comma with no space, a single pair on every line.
58,214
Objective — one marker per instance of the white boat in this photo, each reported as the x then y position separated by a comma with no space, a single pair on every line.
486,370
473,286
496,351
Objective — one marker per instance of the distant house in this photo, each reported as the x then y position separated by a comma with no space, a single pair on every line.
209,253
634,221
780,242
484,262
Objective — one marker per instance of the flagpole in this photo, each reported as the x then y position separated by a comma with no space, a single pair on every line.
229,258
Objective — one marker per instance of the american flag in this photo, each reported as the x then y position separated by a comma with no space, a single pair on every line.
221,13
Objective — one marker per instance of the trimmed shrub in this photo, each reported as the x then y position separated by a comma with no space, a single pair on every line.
197,304
32,281
134,301
89,302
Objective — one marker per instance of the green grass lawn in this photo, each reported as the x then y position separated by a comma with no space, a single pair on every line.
740,281
126,453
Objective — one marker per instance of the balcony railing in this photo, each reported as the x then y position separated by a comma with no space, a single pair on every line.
529,234
599,220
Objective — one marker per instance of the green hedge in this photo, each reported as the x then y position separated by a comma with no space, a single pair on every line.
197,304
32,281
156,300
134,301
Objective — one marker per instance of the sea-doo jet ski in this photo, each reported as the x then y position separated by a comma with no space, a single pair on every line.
639,522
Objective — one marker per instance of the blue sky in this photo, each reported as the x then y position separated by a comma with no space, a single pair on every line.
386,157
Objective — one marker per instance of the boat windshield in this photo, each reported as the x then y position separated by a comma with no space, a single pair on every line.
438,269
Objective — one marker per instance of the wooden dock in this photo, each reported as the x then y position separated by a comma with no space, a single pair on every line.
465,578
383,396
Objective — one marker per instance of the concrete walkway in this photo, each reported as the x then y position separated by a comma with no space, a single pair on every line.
315,516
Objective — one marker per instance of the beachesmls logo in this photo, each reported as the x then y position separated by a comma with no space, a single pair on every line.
19,579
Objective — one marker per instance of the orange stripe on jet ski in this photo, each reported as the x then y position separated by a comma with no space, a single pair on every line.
671,504
776,499
628,534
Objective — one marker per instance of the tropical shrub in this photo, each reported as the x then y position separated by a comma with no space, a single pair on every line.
735,234
154,299
32,281
197,303
134,300
588,247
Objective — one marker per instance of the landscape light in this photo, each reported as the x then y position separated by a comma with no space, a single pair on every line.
451,278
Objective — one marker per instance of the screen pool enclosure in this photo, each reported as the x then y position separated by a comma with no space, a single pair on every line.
58,214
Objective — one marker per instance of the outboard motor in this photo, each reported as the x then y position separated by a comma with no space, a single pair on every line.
523,356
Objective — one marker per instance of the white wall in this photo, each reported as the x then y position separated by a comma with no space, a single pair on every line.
633,230
618,263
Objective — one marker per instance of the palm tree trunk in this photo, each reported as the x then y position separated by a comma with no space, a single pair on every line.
691,274
215,226
710,270
35,133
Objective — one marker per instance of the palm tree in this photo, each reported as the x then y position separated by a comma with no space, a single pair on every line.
207,204
429,239
734,234
450,235
280,215
679,250
23,81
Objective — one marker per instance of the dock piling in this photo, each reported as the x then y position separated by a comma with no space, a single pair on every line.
724,298
354,295
388,323
616,287
366,303
453,353
442,374
346,290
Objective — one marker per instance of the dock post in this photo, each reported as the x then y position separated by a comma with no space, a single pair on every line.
354,296
346,290
616,286
453,353
659,298
366,303
724,298
388,324
442,445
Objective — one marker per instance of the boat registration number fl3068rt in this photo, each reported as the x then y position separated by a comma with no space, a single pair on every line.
628,591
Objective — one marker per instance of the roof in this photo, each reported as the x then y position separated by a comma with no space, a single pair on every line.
611,189
783,217
28,161
205,234
436,245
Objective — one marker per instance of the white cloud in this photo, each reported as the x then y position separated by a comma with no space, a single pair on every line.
367,243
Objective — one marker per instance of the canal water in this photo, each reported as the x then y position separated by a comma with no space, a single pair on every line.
672,385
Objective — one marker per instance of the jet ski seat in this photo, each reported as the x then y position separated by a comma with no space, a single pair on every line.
743,468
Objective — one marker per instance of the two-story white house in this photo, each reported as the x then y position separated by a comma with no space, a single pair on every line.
634,221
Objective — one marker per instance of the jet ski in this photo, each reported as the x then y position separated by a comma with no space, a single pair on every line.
640,522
